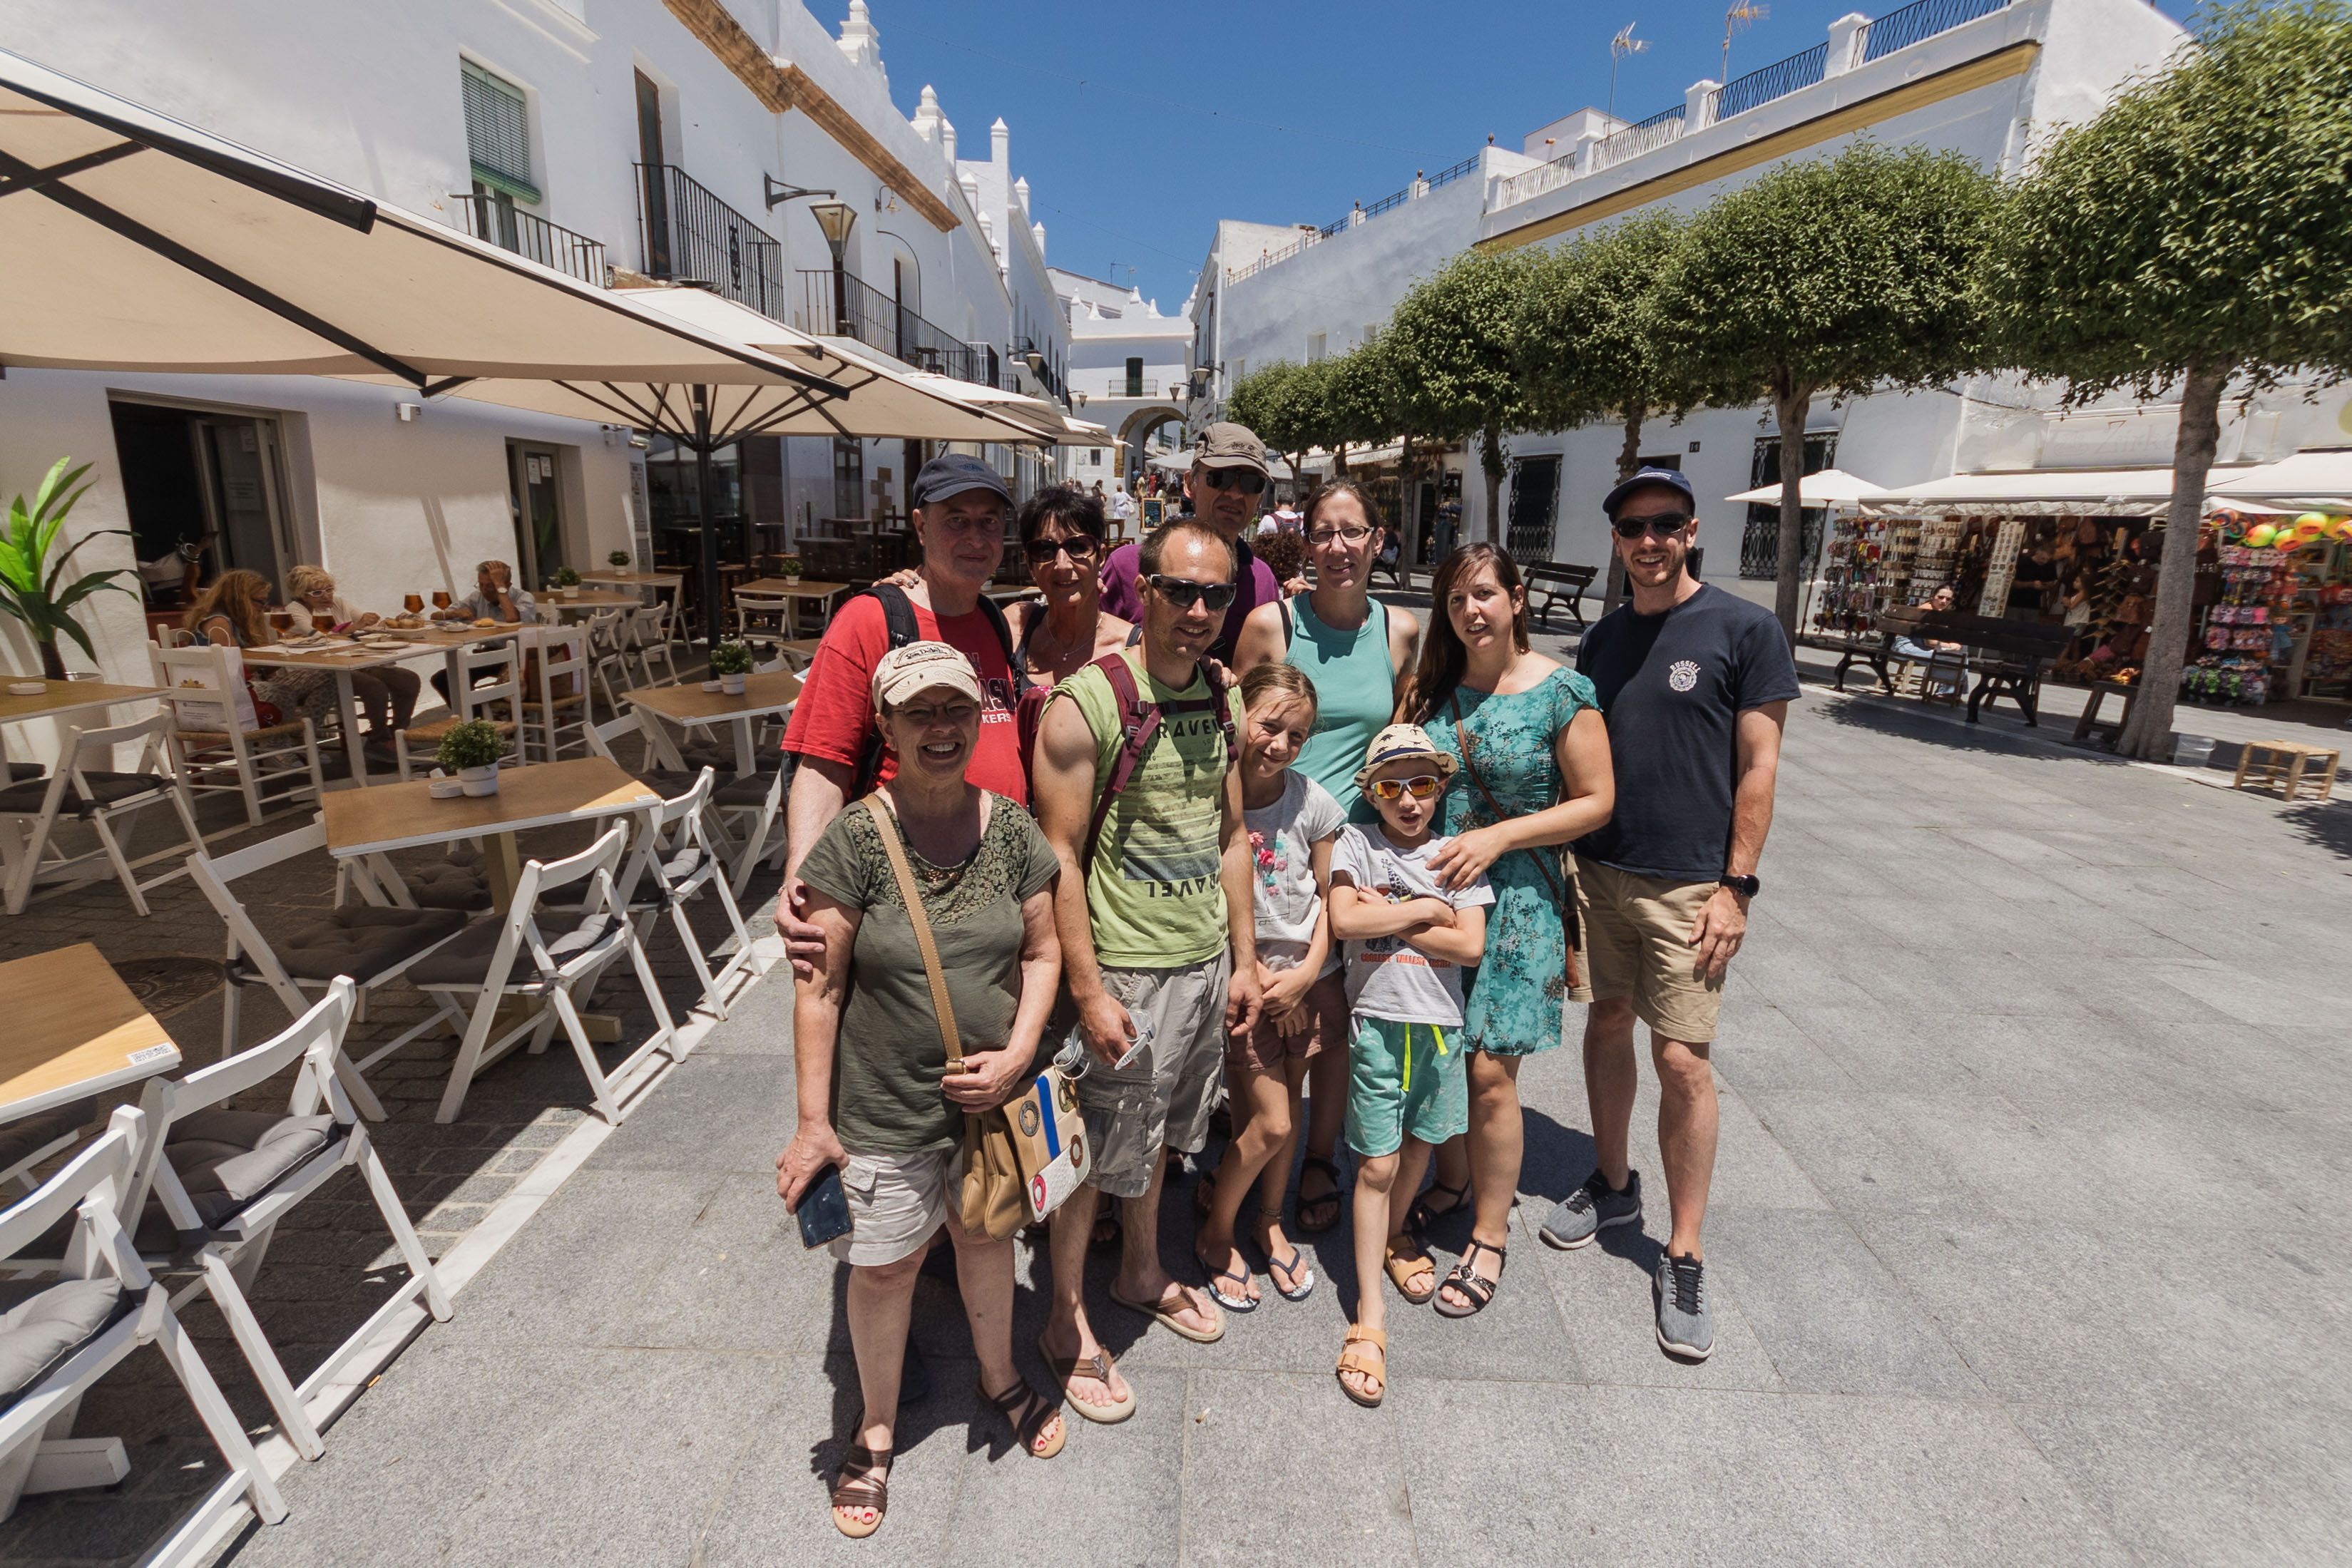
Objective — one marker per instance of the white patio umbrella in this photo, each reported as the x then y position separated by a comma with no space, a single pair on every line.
1830,488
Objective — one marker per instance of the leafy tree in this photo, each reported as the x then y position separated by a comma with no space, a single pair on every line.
1358,400
1452,361
1835,276
1272,401
2198,230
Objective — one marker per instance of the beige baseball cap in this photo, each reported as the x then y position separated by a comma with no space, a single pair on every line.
918,667
1398,742
1229,445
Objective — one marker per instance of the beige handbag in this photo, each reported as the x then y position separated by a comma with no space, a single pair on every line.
1023,1159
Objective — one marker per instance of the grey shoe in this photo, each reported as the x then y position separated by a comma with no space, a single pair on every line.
1685,1315
1591,1210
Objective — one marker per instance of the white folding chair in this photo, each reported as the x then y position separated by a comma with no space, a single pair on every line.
674,862
98,795
649,639
211,750
762,616
608,659
515,957
471,700
558,705
28,1141
66,1331
370,944
212,1184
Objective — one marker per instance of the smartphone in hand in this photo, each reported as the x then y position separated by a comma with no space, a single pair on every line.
824,1210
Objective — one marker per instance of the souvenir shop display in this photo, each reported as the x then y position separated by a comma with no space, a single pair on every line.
2276,611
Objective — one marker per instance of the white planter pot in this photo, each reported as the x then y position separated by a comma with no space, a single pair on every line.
791,582
479,780
732,684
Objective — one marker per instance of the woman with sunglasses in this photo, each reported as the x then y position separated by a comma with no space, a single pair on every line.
1534,773
1064,629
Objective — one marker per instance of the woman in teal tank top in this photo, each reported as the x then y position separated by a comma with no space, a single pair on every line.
1355,649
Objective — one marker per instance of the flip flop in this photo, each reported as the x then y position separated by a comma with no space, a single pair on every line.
1239,1301
1294,1266
1157,1311
1097,1366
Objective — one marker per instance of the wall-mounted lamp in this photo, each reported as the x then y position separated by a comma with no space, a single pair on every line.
1035,361
776,193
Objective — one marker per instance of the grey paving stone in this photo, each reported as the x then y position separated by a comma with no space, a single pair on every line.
737,1279
1128,1483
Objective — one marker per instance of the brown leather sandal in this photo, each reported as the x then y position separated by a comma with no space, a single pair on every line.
863,1482
1097,1366
1409,1269
1027,1412
1355,1358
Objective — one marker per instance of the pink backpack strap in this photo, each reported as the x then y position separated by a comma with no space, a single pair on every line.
1139,721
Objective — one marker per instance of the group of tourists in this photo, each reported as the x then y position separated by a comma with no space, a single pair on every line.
1200,842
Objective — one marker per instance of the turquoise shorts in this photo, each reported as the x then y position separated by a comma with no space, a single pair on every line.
1403,1078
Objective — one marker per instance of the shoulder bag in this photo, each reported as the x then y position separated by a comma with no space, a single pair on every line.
1021,1159
1559,870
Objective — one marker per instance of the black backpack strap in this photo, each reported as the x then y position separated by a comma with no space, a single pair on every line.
1003,630
898,620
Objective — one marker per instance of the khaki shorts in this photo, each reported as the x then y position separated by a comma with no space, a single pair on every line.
1161,1099
1637,933
1267,1048
895,1202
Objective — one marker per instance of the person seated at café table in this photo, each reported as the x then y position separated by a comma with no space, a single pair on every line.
495,597
386,695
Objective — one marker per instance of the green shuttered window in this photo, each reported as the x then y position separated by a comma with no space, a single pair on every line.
498,132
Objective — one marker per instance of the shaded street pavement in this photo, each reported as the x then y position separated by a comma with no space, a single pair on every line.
2028,1233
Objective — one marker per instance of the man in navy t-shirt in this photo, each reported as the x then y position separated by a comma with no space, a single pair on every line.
1696,686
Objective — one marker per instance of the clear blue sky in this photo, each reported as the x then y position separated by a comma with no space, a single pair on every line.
1140,125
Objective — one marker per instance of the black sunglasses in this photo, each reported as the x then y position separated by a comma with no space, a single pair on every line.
1184,593
1248,481
1659,523
1040,552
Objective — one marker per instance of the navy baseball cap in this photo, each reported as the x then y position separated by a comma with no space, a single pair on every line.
953,473
1673,478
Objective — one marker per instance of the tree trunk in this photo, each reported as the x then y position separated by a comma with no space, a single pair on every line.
1629,457
1490,459
1340,461
1794,407
53,663
1408,478
2149,734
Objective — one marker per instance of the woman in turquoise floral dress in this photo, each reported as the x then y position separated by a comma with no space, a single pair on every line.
1537,774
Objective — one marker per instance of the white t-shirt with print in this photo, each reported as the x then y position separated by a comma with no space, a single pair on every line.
1283,900
1388,977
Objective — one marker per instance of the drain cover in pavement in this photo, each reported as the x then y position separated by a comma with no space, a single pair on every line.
167,982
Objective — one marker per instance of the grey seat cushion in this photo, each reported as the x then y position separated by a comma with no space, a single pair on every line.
20,1138
448,885
361,941
751,789
467,960
226,1159
682,865
40,1323
105,789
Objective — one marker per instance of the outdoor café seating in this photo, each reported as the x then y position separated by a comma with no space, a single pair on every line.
488,681
86,785
676,863
213,747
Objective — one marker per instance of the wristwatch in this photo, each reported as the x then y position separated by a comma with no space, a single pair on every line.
1746,886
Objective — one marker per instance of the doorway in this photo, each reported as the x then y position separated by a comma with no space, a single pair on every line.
209,483
656,176
1760,541
1535,502
536,495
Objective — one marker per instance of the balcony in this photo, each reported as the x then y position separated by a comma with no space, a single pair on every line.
878,321
691,237
507,226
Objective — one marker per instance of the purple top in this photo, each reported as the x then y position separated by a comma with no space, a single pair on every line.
1121,597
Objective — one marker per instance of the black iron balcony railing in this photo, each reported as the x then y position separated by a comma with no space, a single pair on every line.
691,237
1914,23
504,225
1778,80
841,306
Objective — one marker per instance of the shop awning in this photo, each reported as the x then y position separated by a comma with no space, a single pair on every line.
2320,478
2039,493
1828,487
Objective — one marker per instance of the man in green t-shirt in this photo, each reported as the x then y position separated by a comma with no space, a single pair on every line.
1158,946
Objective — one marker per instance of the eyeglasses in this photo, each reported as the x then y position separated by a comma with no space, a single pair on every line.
1183,592
1248,481
1082,547
1420,787
1354,536
1662,524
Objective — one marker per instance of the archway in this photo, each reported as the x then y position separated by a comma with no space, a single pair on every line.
1134,431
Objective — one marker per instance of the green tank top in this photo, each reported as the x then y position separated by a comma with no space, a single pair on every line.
1355,693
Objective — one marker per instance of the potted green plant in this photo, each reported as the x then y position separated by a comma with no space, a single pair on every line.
731,663
618,561
566,582
789,566
33,586
471,751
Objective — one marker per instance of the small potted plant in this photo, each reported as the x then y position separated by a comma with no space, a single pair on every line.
471,751
618,561
790,565
566,582
731,663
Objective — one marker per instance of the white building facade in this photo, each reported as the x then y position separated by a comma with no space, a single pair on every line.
1977,77
1129,372
623,140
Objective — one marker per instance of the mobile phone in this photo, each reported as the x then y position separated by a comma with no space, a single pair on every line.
824,1210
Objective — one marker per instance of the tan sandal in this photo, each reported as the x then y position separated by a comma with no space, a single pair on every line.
1027,1411
1355,1358
1097,1366
869,1487
1406,1267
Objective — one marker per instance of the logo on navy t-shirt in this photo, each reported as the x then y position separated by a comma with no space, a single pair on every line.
1683,675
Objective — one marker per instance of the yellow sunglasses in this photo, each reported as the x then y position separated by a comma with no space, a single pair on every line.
1420,787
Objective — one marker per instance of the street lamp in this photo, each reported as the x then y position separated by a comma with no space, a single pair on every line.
836,219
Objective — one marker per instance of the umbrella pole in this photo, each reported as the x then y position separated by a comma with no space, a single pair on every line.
710,552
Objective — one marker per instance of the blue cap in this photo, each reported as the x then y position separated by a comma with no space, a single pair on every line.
953,473
1673,478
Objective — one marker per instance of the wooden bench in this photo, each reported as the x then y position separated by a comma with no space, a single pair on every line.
1852,648
2009,655
1553,580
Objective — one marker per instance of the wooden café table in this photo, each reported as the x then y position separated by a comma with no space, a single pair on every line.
342,657
624,578
691,705
799,592
588,600
74,1030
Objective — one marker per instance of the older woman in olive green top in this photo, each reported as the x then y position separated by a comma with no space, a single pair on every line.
876,1095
